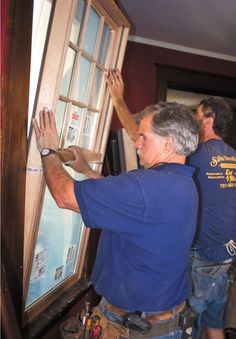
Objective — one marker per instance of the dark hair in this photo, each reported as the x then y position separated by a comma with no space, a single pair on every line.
220,111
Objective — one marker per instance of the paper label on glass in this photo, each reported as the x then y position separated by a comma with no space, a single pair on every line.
74,127
70,254
39,265
58,273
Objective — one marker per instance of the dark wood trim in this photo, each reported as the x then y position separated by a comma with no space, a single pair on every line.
15,91
54,313
193,81
197,82
9,323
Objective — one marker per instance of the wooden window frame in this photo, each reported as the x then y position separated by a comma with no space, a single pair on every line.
15,143
54,58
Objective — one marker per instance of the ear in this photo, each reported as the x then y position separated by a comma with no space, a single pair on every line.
169,143
211,122
208,122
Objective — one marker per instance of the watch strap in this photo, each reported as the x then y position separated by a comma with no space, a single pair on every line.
47,151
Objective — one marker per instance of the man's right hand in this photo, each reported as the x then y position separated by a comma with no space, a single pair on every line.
116,89
115,85
80,164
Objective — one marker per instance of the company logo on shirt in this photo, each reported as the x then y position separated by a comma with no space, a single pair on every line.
226,171
215,160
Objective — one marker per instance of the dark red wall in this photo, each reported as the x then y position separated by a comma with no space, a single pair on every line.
139,72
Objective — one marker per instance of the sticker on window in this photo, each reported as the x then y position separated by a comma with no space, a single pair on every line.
58,273
39,265
70,254
74,127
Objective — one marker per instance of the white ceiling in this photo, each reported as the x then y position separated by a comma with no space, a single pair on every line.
204,27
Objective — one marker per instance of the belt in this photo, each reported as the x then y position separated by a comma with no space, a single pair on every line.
167,314
153,317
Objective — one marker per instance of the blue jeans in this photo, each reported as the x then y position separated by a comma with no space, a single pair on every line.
177,334
173,335
209,293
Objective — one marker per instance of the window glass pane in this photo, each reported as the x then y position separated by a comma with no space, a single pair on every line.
104,45
66,78
74,126
41,16
59,115
82,80
56,248
60,118
96,88
75,29
91,32
88,129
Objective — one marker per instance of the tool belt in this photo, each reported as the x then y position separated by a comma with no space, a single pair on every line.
159,316
131,325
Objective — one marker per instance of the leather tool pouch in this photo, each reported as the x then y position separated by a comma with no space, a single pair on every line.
186,321
136,323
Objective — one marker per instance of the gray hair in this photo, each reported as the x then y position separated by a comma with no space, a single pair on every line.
178,121
150,109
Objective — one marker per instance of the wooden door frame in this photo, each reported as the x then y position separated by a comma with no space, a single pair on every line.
197,82
194,81
16,54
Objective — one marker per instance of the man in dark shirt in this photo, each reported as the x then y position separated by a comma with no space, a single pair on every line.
215,241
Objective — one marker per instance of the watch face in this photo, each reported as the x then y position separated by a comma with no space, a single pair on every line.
45,151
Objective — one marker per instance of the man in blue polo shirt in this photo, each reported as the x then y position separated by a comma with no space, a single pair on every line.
148,219
215,175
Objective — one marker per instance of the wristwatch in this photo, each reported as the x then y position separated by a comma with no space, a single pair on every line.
47,151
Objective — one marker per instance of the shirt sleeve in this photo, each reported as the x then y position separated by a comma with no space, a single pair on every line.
114,203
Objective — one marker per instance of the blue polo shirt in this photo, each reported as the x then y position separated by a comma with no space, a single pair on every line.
148,219
215,175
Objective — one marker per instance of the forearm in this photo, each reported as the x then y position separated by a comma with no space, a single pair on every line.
116,89
91,174
59,182
126,118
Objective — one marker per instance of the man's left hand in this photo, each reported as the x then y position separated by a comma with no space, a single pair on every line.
46,131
